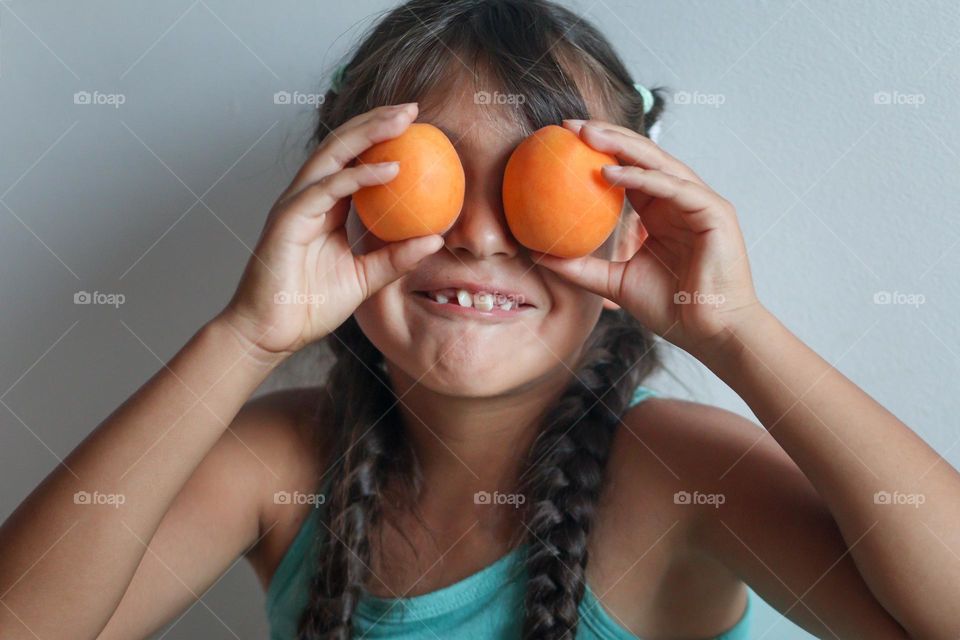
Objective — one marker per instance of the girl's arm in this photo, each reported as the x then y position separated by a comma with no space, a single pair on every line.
894,500
227,509
69,552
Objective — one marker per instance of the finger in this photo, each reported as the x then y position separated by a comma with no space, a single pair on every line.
701,208
381,267
596,275
653,262
661,221
632,148
349,140
320,197
679,242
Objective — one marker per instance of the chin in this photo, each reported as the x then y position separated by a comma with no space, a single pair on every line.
473,370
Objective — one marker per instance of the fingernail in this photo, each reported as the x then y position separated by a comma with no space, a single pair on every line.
388,166
615,169
575,122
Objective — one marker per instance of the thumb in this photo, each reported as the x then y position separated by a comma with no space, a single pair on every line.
383,266
596,275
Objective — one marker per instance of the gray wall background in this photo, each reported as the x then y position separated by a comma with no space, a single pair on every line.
832,126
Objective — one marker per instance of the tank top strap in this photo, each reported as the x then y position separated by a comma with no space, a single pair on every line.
640,394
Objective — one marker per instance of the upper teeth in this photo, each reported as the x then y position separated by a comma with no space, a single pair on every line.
481,301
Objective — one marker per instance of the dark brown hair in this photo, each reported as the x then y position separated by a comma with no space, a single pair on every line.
551,57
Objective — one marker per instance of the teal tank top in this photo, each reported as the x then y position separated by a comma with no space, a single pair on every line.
486,605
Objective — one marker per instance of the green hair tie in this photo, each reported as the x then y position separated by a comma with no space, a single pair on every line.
647,96
337,81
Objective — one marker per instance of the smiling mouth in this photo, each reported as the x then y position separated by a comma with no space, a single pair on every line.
479,300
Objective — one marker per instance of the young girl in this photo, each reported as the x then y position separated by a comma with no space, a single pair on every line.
493,474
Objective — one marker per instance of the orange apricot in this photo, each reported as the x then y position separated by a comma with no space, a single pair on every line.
554,197
425,197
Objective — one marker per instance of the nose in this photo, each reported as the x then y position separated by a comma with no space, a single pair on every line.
481,229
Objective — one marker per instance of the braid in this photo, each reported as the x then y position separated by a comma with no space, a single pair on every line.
568,462
362,406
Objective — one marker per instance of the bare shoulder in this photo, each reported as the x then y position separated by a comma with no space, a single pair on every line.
280,435
281,429
673,465
691,440
693,458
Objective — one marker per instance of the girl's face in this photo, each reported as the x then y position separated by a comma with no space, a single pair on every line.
538,323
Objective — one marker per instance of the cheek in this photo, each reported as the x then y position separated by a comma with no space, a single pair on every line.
572,318
382,322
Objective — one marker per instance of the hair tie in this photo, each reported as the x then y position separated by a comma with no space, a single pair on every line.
647,96
337,81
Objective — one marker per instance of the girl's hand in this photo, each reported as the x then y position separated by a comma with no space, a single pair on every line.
690,280
303,280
